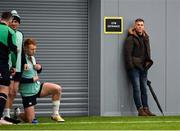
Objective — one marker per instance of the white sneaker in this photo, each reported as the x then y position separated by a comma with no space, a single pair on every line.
4,122
57,118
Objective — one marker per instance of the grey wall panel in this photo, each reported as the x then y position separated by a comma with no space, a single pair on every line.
173,59
116,92
61,30
109,64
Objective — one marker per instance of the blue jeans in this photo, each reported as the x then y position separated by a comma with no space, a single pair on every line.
139,83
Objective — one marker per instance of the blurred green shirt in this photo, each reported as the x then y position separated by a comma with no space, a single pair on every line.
30,89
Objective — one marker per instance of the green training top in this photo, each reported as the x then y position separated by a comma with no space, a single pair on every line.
7,45
29,89
19,43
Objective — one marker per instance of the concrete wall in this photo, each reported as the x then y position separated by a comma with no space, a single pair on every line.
172,57
162,23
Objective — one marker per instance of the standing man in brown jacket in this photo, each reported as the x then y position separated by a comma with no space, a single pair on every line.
138,60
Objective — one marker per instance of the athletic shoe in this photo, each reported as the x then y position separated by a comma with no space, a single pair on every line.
57,118
4,122
12,120
35,121
17,111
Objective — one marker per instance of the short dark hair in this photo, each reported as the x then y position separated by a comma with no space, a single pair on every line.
139,20
6,16
17,18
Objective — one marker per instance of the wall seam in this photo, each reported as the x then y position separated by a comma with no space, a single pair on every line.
166,52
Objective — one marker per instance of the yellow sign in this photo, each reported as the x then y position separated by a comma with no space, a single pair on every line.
113,25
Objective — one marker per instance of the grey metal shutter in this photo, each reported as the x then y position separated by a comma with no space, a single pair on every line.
61,30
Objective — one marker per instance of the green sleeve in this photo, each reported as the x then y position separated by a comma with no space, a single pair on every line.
13,59
12,46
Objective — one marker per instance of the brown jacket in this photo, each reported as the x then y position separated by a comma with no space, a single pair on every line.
136,51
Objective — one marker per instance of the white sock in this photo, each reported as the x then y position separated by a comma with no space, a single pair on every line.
56,105
7,112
